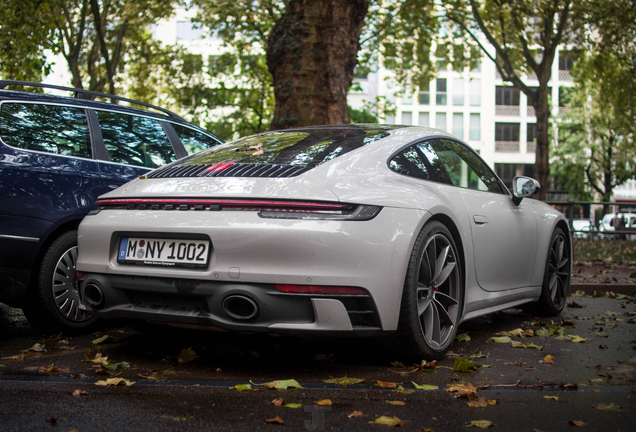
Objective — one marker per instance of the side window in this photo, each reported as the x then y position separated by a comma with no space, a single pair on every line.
408,162
135,140
465,168
47,128
193,140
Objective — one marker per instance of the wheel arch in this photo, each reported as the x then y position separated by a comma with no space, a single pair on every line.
69,225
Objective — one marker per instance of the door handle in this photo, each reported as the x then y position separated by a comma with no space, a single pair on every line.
480,220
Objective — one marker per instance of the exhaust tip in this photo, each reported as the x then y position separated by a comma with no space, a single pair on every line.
240,307
94,295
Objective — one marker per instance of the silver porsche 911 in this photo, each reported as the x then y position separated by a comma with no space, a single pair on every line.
343,230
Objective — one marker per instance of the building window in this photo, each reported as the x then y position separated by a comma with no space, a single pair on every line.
531,136
407,118
458,92
507,137
424,119
407,97
475,92
425,94
507,172
440,97
442,65
440,121
390,119
187,30
566,60
477,67
475,127
506,95
458,125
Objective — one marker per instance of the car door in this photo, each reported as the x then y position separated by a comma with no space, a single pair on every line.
504,235
134,144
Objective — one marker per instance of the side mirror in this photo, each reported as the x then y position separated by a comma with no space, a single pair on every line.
523,187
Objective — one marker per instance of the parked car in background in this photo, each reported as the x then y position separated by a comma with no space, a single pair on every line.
618,222
582,228
341,230
57,155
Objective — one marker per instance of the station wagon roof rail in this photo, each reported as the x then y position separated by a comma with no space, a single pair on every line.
79,93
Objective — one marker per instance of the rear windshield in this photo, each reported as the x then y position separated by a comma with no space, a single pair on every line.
305,148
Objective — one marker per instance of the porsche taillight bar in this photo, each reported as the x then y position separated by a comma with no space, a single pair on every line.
232,203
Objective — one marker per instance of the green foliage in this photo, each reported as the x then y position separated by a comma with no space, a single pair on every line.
596,148
604,250
362,116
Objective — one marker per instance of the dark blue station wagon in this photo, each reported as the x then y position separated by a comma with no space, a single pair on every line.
57,155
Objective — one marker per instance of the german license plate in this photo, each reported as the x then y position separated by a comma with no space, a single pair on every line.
163,252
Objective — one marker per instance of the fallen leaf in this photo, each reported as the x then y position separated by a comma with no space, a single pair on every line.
105,339
501,339
602,334
577,423
425,386
603,346
355,414
575,305
324,402
256,146
35,348
389,421
397,364
577,339
78,392
292,405
281,384
461,390
114,382
276,419
18,357
547,360
187,355
531,345
243,387
52,338
478,354
385,384
551,397
277,401
52,420
111,366
462,337
396,402
465,365
52,370
578,293
608,407
402,390
344,381
258,153
481,424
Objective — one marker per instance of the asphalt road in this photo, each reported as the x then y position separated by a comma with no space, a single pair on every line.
36,387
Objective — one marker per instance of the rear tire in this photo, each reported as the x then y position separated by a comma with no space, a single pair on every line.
53,303
557,276
433,296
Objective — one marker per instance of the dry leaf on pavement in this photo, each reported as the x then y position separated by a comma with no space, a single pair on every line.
355,414
276,419
389,421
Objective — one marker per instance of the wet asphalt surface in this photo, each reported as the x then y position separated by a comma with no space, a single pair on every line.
198,394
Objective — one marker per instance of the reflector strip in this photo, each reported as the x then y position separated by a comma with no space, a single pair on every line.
321,289
221,166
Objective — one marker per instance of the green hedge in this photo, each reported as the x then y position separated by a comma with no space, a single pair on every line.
605,250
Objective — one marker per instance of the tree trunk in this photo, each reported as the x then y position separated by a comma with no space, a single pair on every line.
311,53
542,161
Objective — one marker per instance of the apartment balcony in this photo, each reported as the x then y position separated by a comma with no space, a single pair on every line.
507,146
565,75
531,147
530,112
507,110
